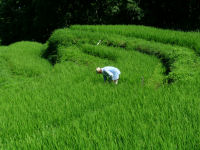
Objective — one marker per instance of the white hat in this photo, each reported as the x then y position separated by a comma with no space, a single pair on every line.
98,69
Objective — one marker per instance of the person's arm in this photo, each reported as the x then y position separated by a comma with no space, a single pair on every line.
109,73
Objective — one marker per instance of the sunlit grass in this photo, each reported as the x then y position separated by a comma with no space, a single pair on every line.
68,106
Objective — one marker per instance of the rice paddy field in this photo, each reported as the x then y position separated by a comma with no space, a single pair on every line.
52,98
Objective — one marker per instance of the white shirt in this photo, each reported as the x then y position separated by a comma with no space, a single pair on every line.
111,71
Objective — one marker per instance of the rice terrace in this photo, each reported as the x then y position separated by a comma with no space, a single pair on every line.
52,98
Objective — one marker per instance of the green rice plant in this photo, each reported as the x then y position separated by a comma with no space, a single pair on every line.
76,55
187,39
68,106
170,56
100,51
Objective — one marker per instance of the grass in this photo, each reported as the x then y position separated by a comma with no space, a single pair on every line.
186,39
58,101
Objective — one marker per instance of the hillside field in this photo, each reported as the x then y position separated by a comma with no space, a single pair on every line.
52,98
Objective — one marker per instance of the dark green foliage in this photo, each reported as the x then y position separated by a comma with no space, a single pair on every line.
176,14
36,19
30,19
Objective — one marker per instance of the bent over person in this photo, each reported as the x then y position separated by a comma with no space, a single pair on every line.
109,73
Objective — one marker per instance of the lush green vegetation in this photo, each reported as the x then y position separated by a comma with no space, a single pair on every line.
186,39
52,98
